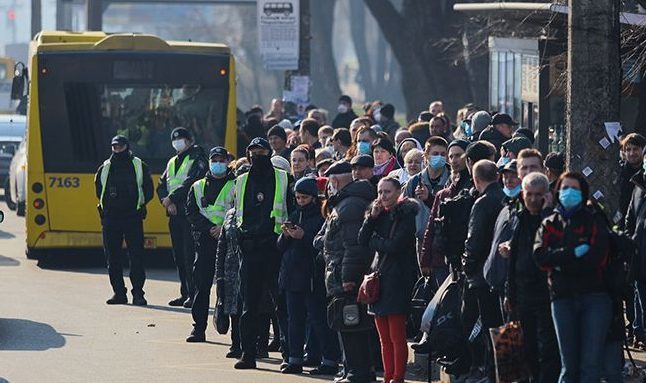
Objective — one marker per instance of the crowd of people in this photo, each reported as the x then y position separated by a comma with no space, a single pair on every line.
299,229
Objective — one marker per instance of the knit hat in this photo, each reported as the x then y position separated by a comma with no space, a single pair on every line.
281,163
515,145
180,132
524,132
307,185
459,143
555,160
387,111
279,131
479,121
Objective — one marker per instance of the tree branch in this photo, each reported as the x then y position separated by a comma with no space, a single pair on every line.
389,19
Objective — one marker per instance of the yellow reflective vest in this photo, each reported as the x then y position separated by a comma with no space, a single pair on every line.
279,207
224,201
139,176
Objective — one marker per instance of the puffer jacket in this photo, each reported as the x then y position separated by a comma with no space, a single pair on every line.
298,255
554,246
345,259
227,264
392,236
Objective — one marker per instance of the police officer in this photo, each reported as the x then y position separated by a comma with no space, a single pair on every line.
262,196
208,201
124,187
182,170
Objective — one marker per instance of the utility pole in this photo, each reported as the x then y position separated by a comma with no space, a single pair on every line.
304,45
94,9
593,97
36,17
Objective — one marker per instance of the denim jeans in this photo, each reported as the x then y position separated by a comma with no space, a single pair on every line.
299,306
582,325
613,362
640,303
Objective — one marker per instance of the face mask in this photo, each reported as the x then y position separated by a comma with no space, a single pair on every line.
467,129
342,108
570,198
511,193
364,147
437,162
218,168
179,145
503,161
377,116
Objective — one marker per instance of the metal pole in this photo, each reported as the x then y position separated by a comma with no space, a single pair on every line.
94,9
36,18
593,97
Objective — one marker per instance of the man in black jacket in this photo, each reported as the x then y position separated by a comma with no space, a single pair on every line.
182,170
124,187
346,114
501,130
208,201
346,262
528,297
479,300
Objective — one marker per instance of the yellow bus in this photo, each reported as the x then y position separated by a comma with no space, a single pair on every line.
87,87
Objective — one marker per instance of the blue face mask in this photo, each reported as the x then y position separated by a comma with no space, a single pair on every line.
570,198
218,168
503,161
364,147
467,128
437,162
511,193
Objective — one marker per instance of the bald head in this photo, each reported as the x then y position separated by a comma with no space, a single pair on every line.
484,173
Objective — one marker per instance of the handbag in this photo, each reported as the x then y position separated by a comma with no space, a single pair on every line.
220,318
369,290
509,353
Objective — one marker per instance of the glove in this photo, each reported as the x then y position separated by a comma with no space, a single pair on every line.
581,250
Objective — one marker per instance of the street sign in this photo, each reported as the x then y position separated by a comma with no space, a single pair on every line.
278,33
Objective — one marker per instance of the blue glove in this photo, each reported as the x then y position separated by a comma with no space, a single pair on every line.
581,250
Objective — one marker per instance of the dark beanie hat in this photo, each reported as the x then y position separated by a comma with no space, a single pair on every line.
425,116
385,144
307,185
277,130
524,132
345,98
387,111
460,143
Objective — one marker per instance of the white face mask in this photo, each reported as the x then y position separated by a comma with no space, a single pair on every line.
331,189
377,116
342,108
179,145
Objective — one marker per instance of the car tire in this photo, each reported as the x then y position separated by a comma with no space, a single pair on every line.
7,196
20,210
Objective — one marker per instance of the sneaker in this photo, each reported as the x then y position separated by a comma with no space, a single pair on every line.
325,370
292,369
245,365
188,303
196,337
177,302
118,299
139,300
234,354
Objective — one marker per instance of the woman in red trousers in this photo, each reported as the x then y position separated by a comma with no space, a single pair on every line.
389,230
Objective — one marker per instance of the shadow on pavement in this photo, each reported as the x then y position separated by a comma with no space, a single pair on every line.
7,261
27,335
6,235
166,308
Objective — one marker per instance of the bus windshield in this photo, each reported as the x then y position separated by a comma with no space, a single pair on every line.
143,100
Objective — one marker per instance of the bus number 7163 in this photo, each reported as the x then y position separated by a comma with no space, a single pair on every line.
64,182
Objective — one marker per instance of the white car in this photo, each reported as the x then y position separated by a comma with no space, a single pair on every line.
15,193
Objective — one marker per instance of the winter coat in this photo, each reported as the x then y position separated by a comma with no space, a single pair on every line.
492,135
554,246
636,223
199,223
431,254
345,259
626,186
480,233
344,120
392,236
298,255
227,264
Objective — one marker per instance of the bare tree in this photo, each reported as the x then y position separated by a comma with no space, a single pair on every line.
325,79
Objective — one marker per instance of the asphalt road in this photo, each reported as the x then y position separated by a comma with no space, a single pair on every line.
56,327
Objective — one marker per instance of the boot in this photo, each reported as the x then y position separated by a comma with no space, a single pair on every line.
245,365
196,337
118,299
139,300
177,302
292,369
188,303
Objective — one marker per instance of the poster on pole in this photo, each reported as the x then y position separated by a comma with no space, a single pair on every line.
278,33
298,93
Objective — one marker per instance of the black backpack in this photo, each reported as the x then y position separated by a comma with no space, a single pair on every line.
446,336
452,225
422,294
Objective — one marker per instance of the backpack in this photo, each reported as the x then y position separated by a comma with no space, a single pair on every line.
423,292
449,345
452,226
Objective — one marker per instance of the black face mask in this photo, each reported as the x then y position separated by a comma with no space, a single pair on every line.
121,156
260,163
